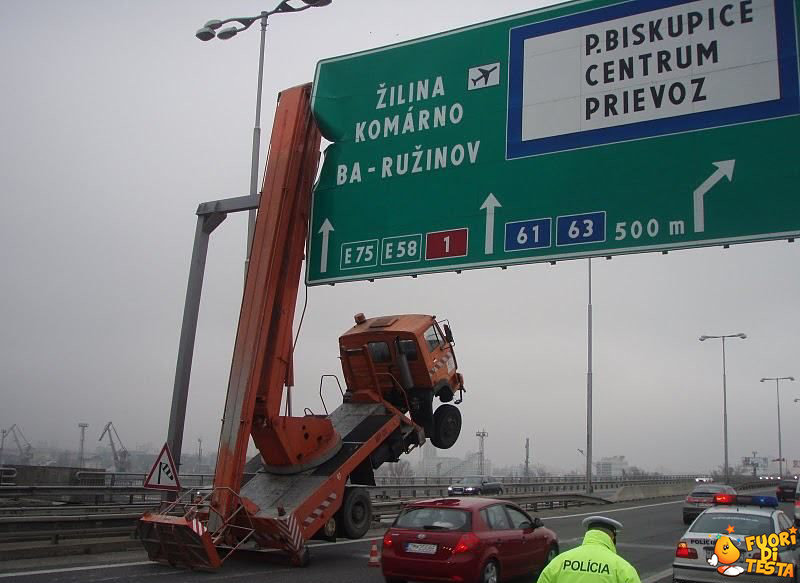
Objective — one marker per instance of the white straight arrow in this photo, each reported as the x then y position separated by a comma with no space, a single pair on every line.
489,205
325,229
724,170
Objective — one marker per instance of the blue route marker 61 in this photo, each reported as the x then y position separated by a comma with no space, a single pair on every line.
583,228
530,234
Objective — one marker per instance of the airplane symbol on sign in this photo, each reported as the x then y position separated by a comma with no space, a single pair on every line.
484,75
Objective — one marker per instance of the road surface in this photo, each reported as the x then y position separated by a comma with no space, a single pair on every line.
651,531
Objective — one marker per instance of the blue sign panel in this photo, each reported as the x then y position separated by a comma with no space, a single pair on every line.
531,234
579,229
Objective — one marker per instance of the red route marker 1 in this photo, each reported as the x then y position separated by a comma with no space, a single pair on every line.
444,244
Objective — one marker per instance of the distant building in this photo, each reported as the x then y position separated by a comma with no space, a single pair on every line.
611,467
434,465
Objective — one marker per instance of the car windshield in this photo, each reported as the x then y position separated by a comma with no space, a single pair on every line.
743,524
427,518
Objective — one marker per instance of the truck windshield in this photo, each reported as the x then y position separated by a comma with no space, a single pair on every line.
432,338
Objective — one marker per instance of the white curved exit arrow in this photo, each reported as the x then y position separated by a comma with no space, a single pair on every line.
724,170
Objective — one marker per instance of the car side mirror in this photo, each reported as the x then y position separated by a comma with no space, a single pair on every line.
526,525
537,522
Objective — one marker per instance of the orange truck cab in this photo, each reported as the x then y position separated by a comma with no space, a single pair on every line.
406,360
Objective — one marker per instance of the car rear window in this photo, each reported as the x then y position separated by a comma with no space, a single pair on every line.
789,483
429,518
743,524
703,493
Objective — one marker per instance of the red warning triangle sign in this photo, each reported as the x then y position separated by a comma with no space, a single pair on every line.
163,475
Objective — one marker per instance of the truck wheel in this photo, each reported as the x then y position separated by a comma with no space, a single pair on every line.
328,531
355,515
446,426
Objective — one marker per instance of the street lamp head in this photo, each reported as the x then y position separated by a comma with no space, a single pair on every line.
317,3
742,335
205,34
703,337
762,380
227,33
213,24
790,378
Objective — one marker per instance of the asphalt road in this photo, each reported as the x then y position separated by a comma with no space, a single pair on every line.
651,531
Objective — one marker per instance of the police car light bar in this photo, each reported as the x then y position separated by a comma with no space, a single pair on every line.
740,500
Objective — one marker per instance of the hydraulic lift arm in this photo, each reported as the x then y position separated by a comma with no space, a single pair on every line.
262,352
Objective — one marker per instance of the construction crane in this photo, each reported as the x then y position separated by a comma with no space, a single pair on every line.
314,468
26,451
122,462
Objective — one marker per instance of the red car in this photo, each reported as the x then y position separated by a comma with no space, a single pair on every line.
468,540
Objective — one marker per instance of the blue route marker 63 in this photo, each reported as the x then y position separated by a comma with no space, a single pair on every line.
587,128
581,229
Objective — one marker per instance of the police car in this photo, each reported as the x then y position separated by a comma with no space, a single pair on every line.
714,545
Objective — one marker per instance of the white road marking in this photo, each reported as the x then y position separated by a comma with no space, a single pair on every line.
70,569
345,542
600,513
646,546
133,564
658,576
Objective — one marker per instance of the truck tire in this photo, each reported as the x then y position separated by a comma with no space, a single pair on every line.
355,515
328,531
446,426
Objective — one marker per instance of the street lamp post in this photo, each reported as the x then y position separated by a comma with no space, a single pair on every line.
778,394
724,394
208,32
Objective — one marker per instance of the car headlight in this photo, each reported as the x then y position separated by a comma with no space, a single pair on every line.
470,489
449,488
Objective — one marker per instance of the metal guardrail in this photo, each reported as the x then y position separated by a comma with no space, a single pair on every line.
435,481
533,502
541,486
62,523
7,475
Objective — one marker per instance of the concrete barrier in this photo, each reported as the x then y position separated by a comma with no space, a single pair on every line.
642,492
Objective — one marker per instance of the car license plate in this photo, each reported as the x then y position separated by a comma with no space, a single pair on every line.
421,548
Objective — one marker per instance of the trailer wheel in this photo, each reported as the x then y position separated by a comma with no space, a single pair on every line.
446,426
355,515
328,531
303,559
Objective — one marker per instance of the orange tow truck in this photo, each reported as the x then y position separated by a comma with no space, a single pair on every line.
313,468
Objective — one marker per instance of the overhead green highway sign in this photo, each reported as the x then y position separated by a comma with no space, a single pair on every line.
588,128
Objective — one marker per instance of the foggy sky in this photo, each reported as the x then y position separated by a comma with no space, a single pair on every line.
117,122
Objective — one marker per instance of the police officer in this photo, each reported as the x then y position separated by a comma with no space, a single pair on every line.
595,561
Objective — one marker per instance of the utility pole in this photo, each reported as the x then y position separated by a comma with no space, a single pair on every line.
482,435
83,427
589,388
199,454
527,457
